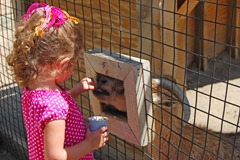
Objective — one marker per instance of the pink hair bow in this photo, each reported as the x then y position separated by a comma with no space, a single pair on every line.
55,17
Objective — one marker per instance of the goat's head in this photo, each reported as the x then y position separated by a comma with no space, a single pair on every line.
111,92
169,97
170,114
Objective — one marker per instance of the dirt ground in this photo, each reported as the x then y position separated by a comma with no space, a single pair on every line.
214,94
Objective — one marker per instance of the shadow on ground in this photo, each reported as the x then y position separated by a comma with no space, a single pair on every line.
12,131
222,68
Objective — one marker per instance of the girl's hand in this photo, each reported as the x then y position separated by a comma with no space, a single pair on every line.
98,138
87,84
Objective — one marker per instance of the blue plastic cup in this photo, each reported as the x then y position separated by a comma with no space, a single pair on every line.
96,122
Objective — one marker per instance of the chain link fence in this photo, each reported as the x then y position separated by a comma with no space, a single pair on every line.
193,43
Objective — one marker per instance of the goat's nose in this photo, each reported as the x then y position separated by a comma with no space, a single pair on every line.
103,80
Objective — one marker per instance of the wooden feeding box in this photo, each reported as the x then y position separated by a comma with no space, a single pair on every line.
135,75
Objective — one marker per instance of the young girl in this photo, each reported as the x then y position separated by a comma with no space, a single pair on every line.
47,46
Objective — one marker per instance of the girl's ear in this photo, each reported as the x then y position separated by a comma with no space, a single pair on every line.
63,64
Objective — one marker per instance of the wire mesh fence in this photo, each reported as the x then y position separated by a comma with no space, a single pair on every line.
194,44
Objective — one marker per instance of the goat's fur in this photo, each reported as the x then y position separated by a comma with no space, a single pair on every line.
172,140
110,91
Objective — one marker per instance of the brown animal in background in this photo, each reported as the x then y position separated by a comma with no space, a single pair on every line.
173,137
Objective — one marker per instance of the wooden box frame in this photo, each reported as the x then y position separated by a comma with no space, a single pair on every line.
135,74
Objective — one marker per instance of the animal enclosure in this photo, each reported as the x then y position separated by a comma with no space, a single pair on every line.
193,49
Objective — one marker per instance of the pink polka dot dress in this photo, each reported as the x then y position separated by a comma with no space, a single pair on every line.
42,106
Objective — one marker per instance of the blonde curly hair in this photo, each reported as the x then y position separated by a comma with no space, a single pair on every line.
31,53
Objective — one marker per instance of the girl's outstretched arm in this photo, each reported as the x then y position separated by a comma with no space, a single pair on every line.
85,84
54,133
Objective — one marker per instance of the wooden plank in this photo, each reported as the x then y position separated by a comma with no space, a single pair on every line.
149,33
186,40
185,27
175,44
120,127
187,7
214,29
107,67
93,74
237,30
167,36
132,112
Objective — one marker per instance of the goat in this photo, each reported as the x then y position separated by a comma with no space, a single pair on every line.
110,92
173,137
174,140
